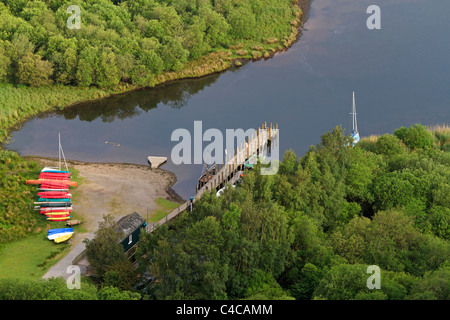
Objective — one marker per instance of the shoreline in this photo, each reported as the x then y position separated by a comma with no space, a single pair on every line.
117,189
185,74
172,180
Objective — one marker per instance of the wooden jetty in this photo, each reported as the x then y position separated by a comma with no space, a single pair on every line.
221,174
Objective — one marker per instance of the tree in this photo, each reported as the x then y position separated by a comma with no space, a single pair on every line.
112,293
435,285
122,275
34,71
174,55
242,22
388,145
417,136
5,62
343,282
264,287
105,251
87,66
152,62
108,73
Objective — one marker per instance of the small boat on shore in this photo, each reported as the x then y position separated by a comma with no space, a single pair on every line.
53,236
73,222
48,200
43,209
59,230
56,213
65,216
54,170
63,238
54,194
58,218
52,190
43,181
57,235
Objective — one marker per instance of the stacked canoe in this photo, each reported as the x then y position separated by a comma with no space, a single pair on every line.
54,200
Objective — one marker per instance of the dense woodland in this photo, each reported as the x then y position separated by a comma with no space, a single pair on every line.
128,41
310,231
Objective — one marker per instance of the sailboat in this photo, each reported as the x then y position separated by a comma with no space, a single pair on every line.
51,172
355,133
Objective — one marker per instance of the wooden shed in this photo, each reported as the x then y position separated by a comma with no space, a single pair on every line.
130,226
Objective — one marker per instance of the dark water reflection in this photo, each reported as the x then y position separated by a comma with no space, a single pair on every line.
401,75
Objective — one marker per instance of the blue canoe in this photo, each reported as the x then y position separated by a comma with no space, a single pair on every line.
60,230
53,200
46,169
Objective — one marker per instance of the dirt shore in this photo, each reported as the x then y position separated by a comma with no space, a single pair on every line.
117,189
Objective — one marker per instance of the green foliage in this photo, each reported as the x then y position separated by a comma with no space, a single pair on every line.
56,289
17,218
104,252
113,32
311,230
388,145
417,136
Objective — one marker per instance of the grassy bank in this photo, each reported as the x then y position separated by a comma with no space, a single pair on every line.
30,257
166,207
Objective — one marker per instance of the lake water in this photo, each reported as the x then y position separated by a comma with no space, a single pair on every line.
400,75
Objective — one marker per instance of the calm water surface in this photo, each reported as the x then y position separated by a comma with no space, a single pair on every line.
401,76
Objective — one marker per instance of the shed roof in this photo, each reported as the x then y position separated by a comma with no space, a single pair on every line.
129,223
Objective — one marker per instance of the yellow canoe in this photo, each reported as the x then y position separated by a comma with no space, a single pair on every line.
63,238
51,218
57,213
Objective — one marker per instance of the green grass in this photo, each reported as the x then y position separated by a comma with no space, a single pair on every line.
166,207
29,258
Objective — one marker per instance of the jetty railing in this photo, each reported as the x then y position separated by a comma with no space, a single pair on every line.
229,172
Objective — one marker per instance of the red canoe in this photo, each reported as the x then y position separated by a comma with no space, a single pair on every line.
60,211
43,176
43,181
58,215
54,195
53,209
54,186
55,174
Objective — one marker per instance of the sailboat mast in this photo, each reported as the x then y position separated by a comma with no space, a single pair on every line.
355,123
59,150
